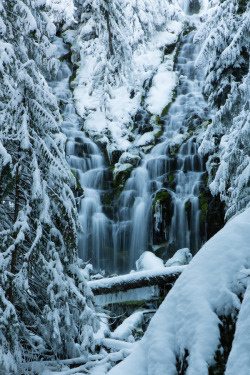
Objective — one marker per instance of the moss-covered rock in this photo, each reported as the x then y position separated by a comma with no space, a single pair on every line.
78,190
120,177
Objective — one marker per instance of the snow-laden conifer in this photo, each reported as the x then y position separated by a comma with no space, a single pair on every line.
46,307
225,54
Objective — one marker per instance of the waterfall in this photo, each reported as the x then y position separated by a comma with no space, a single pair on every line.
159,205
165,180
87,163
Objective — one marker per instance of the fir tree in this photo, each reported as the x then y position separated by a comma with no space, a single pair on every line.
46,307
225,54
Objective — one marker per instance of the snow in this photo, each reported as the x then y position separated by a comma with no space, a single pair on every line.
161,92
114,84
188,319
121,168
181,257
239,360
149,261
134,276
96,121
61,10
123,331
145,139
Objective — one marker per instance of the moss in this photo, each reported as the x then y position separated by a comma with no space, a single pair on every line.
157,119
66,57
162,196
79,186
120,180
188,29
165,109
170,178
158,134
71,79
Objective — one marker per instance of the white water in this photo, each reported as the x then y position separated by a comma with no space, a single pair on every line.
116,244
136,201
87,163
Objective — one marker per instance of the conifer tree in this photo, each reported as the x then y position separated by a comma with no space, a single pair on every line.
226,55
46,308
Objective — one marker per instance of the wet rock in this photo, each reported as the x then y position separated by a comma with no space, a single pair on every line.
212,214
163,210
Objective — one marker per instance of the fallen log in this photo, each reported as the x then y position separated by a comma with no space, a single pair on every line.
163,278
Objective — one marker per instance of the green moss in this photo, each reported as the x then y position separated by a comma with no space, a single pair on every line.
188,29
65,57
162,196
120,180
71,79
78,185
170,178
165,109
158,134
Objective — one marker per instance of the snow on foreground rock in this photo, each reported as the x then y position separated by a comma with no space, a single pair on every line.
149,261
188,320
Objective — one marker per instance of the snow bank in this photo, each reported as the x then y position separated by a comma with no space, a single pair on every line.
188,319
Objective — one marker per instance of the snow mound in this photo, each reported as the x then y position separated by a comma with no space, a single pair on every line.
186,326
125,330
148,261
180,258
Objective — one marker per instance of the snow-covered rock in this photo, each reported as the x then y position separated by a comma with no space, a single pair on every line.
149,261
180,258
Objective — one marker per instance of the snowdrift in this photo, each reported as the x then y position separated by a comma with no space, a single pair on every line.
185,331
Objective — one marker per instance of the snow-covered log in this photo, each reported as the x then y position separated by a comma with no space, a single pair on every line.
163,278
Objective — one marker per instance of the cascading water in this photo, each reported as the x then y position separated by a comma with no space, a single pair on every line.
87,163
159,205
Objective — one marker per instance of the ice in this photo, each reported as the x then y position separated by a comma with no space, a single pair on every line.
137,294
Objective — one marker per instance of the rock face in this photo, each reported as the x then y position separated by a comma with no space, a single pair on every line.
163,211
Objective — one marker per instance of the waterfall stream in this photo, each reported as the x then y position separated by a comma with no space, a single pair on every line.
87,163
165,180
159,205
